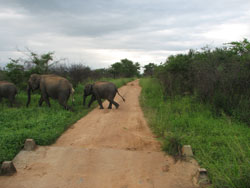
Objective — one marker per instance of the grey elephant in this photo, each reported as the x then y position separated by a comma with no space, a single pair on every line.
51,86
101,90
8,90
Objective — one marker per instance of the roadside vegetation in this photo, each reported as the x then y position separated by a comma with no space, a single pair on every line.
219,77
45,124
219,144
202,99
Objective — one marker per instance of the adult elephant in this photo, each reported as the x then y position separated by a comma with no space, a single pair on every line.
101,90
8,90
51,86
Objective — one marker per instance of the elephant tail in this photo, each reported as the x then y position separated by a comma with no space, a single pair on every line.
120,95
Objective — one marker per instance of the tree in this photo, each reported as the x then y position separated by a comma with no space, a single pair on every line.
2,74
240,48
149,69
116,69
125,68
137,67
15,72
40,64
129,68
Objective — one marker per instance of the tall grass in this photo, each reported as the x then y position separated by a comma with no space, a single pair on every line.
220,145
43,124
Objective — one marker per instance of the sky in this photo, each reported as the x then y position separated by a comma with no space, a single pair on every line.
98,33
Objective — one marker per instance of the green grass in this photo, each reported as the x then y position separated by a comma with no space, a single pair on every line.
43,124
220,145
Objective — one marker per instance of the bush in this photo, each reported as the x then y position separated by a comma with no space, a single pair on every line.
219,77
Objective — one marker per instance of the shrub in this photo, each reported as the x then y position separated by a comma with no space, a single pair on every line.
219,77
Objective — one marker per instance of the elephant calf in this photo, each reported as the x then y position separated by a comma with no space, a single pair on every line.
9,91
51,86
101,90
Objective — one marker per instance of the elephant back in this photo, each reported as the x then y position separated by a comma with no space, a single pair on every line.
55,85
7,88
105,89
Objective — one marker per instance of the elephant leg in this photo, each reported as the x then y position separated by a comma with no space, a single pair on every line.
91,100
63,101
64,104
46,99
116,104
41,101
110,104
100,102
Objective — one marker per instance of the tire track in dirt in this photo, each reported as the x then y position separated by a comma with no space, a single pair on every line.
106,148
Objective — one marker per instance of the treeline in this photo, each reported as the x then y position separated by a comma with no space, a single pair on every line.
219,76
19,70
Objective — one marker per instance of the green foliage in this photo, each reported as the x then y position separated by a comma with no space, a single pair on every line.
240,48
172,145
130,69
2,75
149,69
220,144
40,63
15,73
176,74
43,124
125,68
116,69
219,77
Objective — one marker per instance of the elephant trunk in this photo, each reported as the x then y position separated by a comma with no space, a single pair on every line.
28,93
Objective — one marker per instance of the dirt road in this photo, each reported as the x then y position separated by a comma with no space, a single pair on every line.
105,149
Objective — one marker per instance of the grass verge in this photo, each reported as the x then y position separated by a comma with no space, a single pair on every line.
220,145
43,124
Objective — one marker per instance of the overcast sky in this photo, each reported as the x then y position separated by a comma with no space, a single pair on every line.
99,33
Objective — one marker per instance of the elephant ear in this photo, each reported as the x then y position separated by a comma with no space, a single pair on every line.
37,79
34,81
88,89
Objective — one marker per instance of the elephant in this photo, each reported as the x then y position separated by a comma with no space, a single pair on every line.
8,90
52,86
101,90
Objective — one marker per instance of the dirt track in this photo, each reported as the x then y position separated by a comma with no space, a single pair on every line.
105,149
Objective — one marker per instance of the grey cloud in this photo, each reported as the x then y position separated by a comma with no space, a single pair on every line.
144,25
97,17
